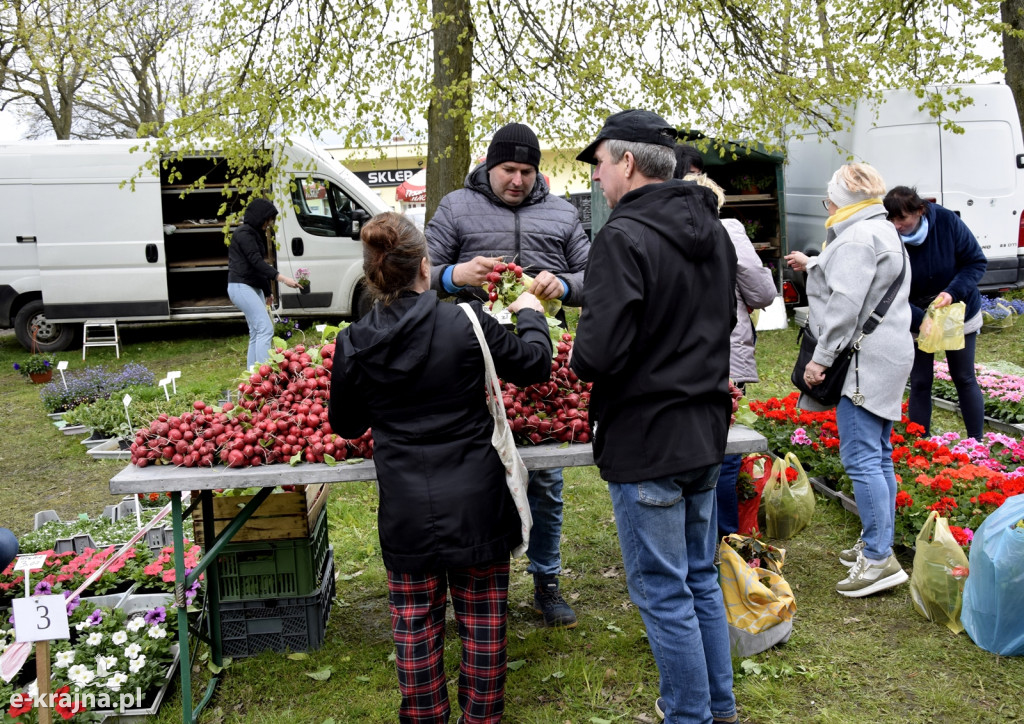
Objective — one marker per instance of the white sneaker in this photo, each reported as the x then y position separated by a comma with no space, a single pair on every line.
849,556
866,578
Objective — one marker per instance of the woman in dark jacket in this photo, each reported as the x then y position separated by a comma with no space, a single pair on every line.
412,369
946,264
249,277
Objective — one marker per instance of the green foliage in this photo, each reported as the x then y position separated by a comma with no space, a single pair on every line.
35,364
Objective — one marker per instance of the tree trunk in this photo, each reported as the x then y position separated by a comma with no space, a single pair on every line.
449,122
1013,51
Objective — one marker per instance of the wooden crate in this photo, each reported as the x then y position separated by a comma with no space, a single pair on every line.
282,516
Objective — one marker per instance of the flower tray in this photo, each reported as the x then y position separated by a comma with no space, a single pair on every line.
109,450
278,624
274,569
282,516
155,699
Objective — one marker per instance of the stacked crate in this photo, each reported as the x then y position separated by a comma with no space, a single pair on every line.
276,576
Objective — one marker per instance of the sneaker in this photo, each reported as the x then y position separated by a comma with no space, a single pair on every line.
548,602
659,707
866,578
849,556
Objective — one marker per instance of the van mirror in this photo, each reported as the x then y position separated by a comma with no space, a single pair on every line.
359,217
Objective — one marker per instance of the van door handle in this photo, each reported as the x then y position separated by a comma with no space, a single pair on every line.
152,255
297,246
1020,160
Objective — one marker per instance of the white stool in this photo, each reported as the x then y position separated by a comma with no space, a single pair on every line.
107,337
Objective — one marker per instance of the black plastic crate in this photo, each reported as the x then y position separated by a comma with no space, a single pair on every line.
278,624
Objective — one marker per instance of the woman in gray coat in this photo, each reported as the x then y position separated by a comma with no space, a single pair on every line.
862,258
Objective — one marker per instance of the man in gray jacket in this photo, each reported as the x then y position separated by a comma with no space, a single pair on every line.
507,213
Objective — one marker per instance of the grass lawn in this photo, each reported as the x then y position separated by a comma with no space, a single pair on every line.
869,660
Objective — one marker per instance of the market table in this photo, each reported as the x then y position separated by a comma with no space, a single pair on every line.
178,480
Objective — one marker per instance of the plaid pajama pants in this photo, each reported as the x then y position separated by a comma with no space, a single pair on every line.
480,602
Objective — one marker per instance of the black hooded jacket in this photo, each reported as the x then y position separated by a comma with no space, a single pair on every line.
653,336
246,264
413,371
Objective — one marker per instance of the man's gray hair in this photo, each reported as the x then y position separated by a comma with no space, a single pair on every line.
652,160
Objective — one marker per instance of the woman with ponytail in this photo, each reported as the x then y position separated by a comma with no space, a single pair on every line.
413,371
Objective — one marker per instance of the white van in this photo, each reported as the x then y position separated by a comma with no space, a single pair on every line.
75,244
978,174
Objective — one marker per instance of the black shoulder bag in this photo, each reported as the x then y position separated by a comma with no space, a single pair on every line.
830,391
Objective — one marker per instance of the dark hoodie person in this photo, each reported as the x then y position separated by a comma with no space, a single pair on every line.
413,371
653,338
249,277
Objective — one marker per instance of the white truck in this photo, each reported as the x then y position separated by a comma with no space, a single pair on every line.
977,173
77,244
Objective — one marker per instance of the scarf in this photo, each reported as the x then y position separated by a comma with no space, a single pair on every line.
917,238
847,211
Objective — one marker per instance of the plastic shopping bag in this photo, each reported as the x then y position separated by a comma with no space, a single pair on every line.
759,603
943,328
994,592
788,506
940,567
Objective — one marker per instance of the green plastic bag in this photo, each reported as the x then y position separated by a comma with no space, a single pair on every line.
788,506
942,328
940,569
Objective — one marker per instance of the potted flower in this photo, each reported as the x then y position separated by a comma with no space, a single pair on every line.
37,368
748,183
752,228
302,277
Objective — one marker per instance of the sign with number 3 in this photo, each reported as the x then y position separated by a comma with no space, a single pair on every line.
40,618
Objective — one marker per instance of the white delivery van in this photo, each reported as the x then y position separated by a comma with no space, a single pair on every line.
978,174
77,244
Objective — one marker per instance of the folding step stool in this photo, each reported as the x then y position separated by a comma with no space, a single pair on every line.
107,337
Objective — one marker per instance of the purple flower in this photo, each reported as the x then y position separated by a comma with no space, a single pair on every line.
95,618
73,603
157,615
17,366
43,588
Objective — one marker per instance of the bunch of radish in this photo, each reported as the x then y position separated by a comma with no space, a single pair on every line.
504,285
281,416
553,410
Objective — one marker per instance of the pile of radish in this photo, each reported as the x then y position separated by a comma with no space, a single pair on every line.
281,416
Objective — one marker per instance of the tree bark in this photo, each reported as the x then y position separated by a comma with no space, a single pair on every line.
1012,12
450,111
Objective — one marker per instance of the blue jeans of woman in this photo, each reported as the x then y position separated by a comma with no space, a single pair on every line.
866,452
968,394
261,330
728,501
673,581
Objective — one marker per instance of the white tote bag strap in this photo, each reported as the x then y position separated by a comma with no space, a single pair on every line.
516,475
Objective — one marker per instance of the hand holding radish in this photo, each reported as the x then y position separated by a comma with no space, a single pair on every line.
474,272
528,300
547,286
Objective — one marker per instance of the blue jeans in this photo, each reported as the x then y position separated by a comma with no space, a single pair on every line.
725,490
673,581
866,452
545,495
968,394
8,548
261,330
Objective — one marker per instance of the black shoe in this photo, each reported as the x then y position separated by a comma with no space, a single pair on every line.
549,602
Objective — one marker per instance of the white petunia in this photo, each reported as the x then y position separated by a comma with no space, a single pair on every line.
32,689
64,659
81,626
105,664
81,674
116,680
132,651
95,639
156,632
135,666
135,624
119,637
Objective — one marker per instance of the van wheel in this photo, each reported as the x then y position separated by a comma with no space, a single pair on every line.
362,304
49,336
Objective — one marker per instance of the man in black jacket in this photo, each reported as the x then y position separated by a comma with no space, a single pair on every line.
653,337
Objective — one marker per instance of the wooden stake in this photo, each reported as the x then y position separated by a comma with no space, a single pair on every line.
43,681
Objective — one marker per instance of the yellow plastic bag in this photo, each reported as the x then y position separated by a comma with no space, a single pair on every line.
759,604
942,328
788,506
940,569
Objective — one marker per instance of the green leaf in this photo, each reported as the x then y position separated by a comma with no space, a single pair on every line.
321,675
329,459
295,459
517,664
299,656
364,679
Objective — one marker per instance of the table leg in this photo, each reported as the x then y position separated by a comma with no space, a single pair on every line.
185,667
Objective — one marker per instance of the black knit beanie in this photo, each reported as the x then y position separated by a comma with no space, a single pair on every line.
514,142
